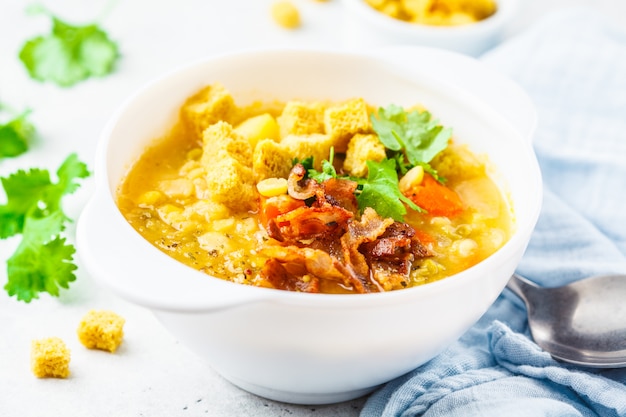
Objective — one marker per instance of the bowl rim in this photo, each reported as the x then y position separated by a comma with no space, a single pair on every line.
102,200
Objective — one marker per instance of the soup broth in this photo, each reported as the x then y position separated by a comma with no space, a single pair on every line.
308,196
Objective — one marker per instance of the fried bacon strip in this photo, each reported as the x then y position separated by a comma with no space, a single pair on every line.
325,241
301,262
310,222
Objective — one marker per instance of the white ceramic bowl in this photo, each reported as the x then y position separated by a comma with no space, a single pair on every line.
297,347
367,27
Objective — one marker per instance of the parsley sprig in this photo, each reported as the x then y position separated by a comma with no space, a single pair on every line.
43,260
70,53
16,134
413,138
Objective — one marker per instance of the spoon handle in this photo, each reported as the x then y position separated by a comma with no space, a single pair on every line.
521,286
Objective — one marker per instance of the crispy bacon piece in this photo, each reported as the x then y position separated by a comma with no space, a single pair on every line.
340,192
299,262
309,222
368,229
278,275
391,256
322,240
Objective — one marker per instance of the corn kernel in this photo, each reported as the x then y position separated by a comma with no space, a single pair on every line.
286,14
271,187
194,154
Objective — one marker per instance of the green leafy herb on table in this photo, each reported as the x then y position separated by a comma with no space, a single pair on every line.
43,261
413,138
69,54
16,135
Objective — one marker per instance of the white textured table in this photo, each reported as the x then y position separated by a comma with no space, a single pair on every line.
151,374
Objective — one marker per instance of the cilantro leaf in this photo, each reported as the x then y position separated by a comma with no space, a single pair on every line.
69,54
15,136
380,191
42,260
328,170
23,191
415,135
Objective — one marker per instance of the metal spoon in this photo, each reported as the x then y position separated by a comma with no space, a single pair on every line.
582,323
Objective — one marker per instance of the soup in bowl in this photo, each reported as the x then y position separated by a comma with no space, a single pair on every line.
308,266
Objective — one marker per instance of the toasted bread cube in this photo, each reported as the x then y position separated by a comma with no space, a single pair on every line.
101,329
300,118
257,128
343,121
50,358
208,106
303,146
271,160
220,137
363,148
231,183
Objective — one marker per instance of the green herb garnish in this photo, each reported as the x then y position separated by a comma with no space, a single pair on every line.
380,191
16,135
328,170
413,138
69,54
43,261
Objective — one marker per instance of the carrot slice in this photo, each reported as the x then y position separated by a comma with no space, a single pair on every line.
436,198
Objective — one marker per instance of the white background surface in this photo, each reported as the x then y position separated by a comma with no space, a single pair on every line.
151,374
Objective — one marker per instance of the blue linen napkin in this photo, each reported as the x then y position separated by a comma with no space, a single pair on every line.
573,65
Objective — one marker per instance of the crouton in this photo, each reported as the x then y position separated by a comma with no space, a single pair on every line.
221,137
210,105
230,182
259,127
50,358
300,118
343,121
363,148
303,146
271,160
101,329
